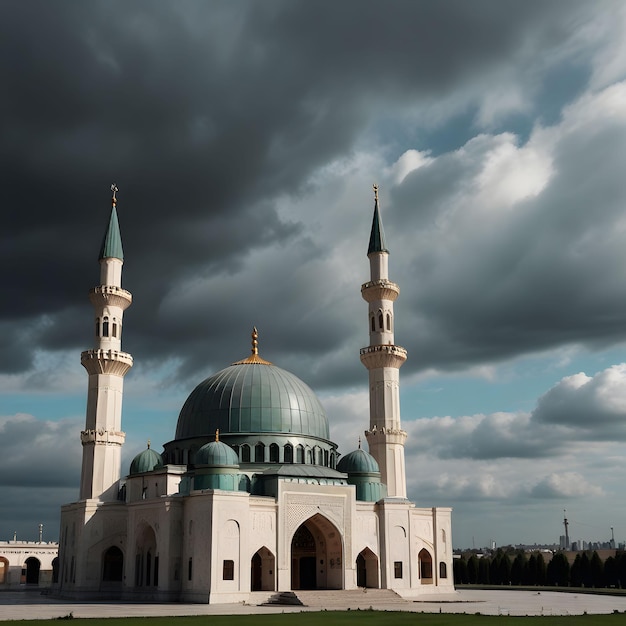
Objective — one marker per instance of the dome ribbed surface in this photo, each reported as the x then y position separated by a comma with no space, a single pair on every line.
216,453
145,461
252,398
358,462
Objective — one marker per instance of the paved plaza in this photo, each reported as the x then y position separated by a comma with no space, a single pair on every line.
33,605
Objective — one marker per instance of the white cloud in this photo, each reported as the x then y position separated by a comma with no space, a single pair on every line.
565,485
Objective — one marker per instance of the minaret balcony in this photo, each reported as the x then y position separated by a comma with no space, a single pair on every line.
106,362
110,295
374,357
381,289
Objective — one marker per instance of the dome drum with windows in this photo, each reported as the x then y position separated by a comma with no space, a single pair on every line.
264,413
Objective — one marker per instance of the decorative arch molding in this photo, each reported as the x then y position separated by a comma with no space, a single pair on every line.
303,507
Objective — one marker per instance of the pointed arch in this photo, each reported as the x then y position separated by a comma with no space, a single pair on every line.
33,566
425,564
4,570
367,570
262,570
146,557
112,565
317,555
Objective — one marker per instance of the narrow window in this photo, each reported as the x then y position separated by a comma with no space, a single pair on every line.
288,452
326,458
309,457
273,453
388,321
443,570
97,326
156,571
380,320
299,454
229,570
397,569
190,568
114,329
373,322
105,327
245,454
259,453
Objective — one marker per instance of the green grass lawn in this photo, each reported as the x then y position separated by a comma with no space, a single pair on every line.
348,618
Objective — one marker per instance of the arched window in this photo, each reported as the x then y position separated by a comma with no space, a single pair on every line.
380,320
114,329
299,454
373,323
274,453
332,460
97,326
425,564
309,457
388,321
288,452
443,570
259,453
105,327
245,453
326,458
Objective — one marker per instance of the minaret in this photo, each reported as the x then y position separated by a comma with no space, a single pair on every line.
383,360
106,365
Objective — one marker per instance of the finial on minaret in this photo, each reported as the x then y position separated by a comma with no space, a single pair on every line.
255,341
217,434
375,188
114,189
359,442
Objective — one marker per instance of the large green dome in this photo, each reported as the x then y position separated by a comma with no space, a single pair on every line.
252,397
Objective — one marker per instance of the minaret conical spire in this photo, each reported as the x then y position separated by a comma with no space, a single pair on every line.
377,234
112,242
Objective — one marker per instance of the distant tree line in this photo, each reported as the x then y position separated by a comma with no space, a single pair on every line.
519,568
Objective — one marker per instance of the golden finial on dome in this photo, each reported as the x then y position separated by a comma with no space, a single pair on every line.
254,357
375,187
217,434
148,444
359,442
114,189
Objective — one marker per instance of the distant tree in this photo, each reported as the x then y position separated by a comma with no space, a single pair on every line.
575,573
596,569
611,572
460,571
472,569
530,571
518,568
494,568
504,569
558,570
585,571
540,570
620,557
483,570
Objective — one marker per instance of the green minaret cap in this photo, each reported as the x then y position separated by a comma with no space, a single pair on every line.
377,236
112,242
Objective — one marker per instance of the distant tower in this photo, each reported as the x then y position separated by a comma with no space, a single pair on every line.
383,360
106,365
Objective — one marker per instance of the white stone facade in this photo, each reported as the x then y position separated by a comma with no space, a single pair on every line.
28,564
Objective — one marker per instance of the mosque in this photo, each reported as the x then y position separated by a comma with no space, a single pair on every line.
251,494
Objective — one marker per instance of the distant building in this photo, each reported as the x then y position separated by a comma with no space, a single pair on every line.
28,563
251,494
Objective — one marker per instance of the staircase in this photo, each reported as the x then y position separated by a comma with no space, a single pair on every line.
354,599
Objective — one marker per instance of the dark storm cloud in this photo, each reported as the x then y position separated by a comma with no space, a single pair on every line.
205,114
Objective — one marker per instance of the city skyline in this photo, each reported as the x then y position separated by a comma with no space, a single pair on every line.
245,141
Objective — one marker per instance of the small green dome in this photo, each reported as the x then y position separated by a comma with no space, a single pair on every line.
358,462
217,453
146,461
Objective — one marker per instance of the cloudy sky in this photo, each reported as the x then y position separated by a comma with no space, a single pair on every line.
244,139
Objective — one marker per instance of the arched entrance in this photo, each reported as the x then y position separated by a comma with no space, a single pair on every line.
32,570
262,571
425,561
367,569
112,565
317,555
4,571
